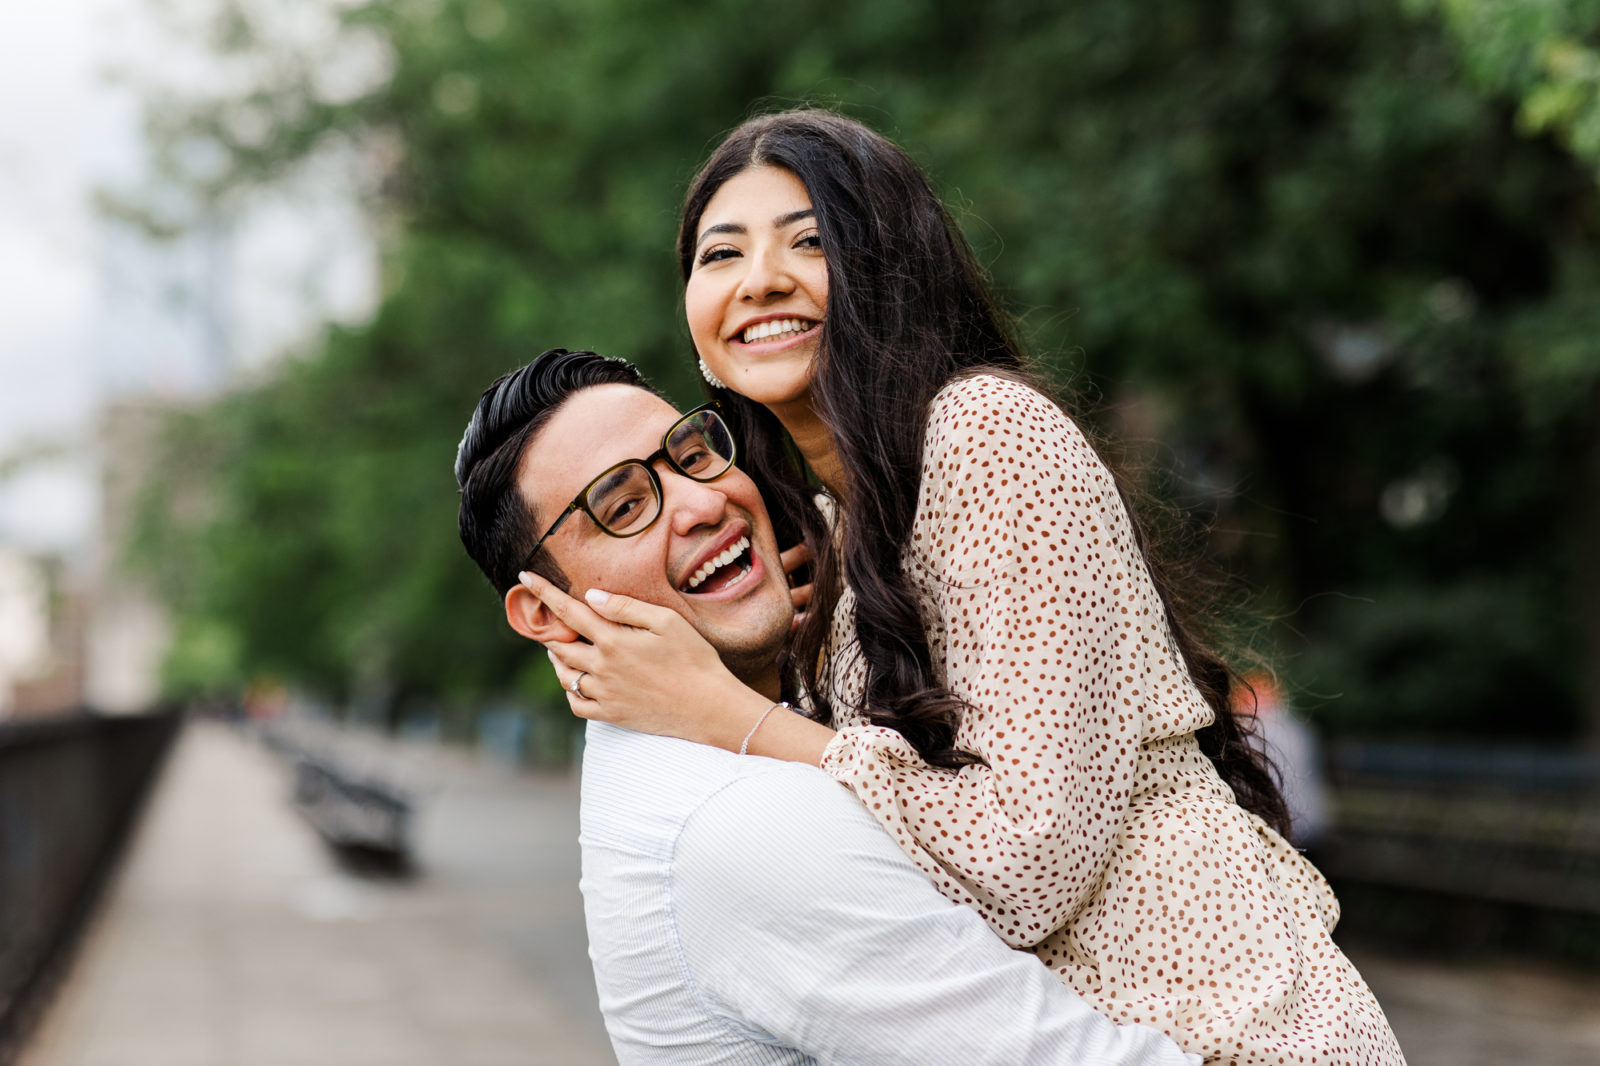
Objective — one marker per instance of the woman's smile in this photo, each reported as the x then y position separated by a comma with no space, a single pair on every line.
774,331
757,294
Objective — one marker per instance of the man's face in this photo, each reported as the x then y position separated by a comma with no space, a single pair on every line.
744,617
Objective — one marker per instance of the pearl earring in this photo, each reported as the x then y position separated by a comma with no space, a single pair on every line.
711,379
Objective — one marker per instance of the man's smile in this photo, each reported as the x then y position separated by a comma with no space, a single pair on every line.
722,571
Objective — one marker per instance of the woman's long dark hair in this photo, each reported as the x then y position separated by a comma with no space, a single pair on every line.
909,309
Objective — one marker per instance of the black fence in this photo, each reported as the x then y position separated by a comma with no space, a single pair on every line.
70,788
1469,848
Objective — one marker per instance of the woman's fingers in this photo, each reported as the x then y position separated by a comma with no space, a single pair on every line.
575,656
640,665
584,701
574,613
627,611
564,673
793,559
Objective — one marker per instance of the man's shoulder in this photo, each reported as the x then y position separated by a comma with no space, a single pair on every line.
641,791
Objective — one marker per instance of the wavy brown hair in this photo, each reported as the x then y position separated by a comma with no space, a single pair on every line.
909,310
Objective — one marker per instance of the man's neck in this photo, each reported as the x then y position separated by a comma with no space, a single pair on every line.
768,681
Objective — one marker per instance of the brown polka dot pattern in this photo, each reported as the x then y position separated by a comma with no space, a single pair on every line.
1099,836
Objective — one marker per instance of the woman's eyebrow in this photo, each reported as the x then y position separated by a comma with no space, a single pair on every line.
792,217
720,227
778,223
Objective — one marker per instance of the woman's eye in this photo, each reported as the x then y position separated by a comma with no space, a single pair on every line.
721,251
809,240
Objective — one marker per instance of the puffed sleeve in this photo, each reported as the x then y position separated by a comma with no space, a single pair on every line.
1042,616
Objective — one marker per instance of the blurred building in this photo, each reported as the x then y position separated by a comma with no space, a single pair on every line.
128,630
24,624
41,636
136,297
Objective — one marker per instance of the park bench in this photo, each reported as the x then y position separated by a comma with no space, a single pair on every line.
345,797
351,812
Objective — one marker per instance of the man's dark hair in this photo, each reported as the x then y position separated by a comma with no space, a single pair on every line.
498,525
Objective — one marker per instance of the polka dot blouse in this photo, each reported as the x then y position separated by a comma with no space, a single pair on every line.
1098,836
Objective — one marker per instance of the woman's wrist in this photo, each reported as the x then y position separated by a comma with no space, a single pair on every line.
745,722
742,710
792,737
744,746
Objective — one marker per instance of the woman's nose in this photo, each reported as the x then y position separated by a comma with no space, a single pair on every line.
767,277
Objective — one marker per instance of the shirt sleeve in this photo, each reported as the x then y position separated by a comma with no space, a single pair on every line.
1047,623
802,925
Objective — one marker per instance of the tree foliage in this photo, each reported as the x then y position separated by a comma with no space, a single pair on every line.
1339,256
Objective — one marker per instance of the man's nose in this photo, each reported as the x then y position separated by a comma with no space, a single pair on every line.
690,504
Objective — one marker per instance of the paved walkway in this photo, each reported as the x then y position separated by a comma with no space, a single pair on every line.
233,938
1487,1013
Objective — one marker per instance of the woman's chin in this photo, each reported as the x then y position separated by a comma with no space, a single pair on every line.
778,383
778,401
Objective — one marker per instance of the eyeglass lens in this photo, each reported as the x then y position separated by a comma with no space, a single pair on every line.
627,499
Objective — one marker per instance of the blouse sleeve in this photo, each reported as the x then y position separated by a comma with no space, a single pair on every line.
1049,627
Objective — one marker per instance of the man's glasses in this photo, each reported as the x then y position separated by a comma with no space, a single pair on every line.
625,500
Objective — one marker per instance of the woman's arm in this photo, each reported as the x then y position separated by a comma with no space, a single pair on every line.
1049,627
649,670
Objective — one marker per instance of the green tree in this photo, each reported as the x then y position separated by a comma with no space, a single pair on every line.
1310,247
1544,58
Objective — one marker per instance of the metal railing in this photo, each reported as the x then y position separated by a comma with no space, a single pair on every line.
70,787
1500,845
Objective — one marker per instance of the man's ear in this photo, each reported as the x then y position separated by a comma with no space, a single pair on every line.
529,616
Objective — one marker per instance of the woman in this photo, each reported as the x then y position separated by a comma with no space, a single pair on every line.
993,666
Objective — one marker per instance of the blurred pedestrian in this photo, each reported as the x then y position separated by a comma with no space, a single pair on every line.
1291,744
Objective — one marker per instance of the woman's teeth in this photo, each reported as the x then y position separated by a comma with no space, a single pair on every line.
712,565
777,327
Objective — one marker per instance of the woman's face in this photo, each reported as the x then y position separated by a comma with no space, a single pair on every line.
758,286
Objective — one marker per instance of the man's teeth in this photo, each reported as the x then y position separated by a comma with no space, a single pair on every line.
777,327
717,562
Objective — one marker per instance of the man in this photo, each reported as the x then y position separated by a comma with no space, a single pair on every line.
740,909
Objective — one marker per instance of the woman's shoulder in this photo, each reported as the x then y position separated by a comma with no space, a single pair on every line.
995,408
988,386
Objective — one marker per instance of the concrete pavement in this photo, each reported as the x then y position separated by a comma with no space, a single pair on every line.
1486,1012
233,938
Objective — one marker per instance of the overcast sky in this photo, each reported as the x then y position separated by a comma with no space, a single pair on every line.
51,114
76,328
47,131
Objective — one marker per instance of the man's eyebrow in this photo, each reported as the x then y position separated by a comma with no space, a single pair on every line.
778,223
686,431
611,481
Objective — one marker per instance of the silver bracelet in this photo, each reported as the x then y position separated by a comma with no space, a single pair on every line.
744,749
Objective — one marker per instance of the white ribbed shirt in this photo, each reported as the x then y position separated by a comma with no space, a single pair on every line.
748,911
